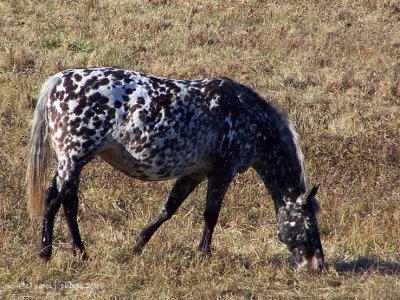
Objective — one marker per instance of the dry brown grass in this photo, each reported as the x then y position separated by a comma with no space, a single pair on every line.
333,65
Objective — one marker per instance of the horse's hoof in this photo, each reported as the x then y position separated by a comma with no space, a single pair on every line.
206,253
138,249
80,253
45,253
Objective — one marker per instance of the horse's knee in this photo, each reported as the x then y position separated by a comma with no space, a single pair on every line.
210,217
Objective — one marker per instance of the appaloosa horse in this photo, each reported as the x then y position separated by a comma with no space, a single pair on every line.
154,128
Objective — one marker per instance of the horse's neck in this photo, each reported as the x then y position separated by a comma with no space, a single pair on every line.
285,180
282,169
293,180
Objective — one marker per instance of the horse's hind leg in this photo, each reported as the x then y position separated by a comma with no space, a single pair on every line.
180,191
52,205
218,183
70,205
63,190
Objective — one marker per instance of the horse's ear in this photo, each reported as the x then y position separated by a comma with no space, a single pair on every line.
313,192
311,200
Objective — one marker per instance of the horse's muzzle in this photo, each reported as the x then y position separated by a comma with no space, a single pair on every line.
315,262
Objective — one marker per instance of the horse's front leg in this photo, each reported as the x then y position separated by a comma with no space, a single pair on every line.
218,183
180,191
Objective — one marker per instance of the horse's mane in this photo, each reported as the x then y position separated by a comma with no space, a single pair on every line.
270,115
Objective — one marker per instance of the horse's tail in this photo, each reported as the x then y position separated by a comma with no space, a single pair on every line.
37,171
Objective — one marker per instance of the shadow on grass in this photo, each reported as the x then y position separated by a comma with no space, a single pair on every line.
367,264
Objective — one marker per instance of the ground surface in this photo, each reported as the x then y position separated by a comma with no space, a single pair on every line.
334,66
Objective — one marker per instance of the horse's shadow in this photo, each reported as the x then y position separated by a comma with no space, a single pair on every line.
367,264
361,265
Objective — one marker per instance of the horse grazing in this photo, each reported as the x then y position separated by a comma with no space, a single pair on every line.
154,128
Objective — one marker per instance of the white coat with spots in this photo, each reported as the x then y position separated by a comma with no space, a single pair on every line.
154,128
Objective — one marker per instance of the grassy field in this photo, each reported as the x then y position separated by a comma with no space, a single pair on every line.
334,66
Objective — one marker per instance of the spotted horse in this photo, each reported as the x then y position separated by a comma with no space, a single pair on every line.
154,128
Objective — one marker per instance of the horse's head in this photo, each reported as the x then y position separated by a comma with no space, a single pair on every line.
298,229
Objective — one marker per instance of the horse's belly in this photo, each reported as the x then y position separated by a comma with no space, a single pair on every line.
160,166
